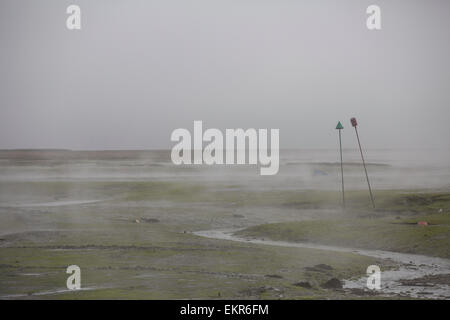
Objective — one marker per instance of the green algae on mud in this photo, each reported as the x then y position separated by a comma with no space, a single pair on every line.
197,269
121,258
389,234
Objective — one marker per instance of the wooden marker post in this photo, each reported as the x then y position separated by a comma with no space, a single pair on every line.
340,127
354,124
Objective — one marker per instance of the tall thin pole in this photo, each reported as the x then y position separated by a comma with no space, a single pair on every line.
340,127
354,123
342,171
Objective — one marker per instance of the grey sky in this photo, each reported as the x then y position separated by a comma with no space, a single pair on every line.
140,69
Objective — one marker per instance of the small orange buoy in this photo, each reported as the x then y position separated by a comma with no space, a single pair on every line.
422,223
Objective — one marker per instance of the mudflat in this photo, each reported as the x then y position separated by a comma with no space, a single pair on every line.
137,227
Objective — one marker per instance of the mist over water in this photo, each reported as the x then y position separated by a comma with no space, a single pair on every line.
299,169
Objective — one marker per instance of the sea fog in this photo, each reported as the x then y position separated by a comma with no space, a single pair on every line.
299,169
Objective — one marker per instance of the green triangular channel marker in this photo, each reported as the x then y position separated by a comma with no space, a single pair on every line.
339,126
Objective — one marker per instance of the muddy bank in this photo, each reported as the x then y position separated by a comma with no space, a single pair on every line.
411,278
